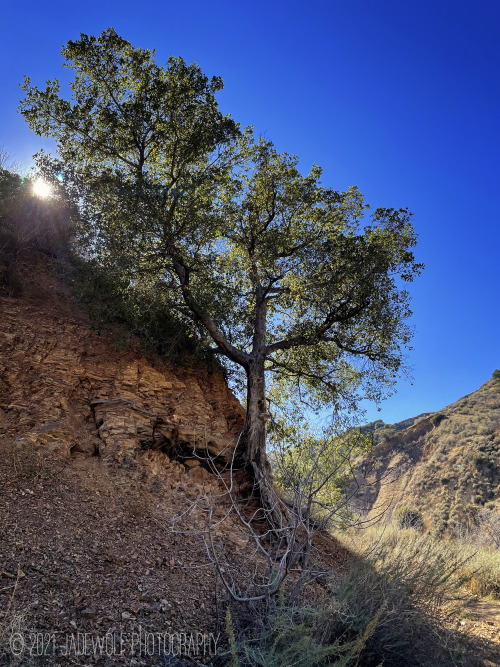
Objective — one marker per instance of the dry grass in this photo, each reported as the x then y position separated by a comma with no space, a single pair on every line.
419,581
467,561
12,623
465,564
452,471
389,605
483,571
28,462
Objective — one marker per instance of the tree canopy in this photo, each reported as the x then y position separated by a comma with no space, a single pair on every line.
276,269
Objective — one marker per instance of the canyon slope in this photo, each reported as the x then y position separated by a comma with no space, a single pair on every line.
66,390
444,465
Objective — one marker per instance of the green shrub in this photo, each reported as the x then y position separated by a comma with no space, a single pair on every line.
303,637
437,419
117,305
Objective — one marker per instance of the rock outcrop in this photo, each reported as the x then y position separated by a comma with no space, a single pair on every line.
67,391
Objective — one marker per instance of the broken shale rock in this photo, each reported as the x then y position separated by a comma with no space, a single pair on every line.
65,391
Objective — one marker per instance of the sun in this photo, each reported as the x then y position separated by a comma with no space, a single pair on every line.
42,189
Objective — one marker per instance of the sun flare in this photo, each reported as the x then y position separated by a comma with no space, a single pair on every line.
42,189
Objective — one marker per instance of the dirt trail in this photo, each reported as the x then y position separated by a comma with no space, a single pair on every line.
483,622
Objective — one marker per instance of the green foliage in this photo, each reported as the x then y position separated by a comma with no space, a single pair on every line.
142,139
118,306
270,264
437,419
231,639
496,375
294,250
317,470
130,113
295,637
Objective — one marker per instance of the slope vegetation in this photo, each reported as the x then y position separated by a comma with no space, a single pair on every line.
444,465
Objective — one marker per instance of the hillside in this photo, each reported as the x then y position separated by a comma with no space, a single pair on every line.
68,390
101,449
445,465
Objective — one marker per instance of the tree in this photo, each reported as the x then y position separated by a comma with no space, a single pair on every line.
273,267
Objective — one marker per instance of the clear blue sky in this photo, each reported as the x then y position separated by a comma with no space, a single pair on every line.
399,98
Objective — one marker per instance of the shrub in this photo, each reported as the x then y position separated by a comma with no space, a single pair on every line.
437,419
116,304
409,518
488,527
484,573
300,637
414,579
382,609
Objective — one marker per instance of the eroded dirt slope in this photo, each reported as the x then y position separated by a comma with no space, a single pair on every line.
99,450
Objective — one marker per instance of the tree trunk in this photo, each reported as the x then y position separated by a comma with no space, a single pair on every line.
253,442
254,431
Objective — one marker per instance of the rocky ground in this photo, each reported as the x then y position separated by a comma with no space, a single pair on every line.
99,450
95,554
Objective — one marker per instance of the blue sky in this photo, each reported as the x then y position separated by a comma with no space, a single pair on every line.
401,99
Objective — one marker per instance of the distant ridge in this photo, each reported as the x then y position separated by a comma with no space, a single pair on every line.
381,430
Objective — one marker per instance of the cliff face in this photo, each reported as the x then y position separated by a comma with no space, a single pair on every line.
67,391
